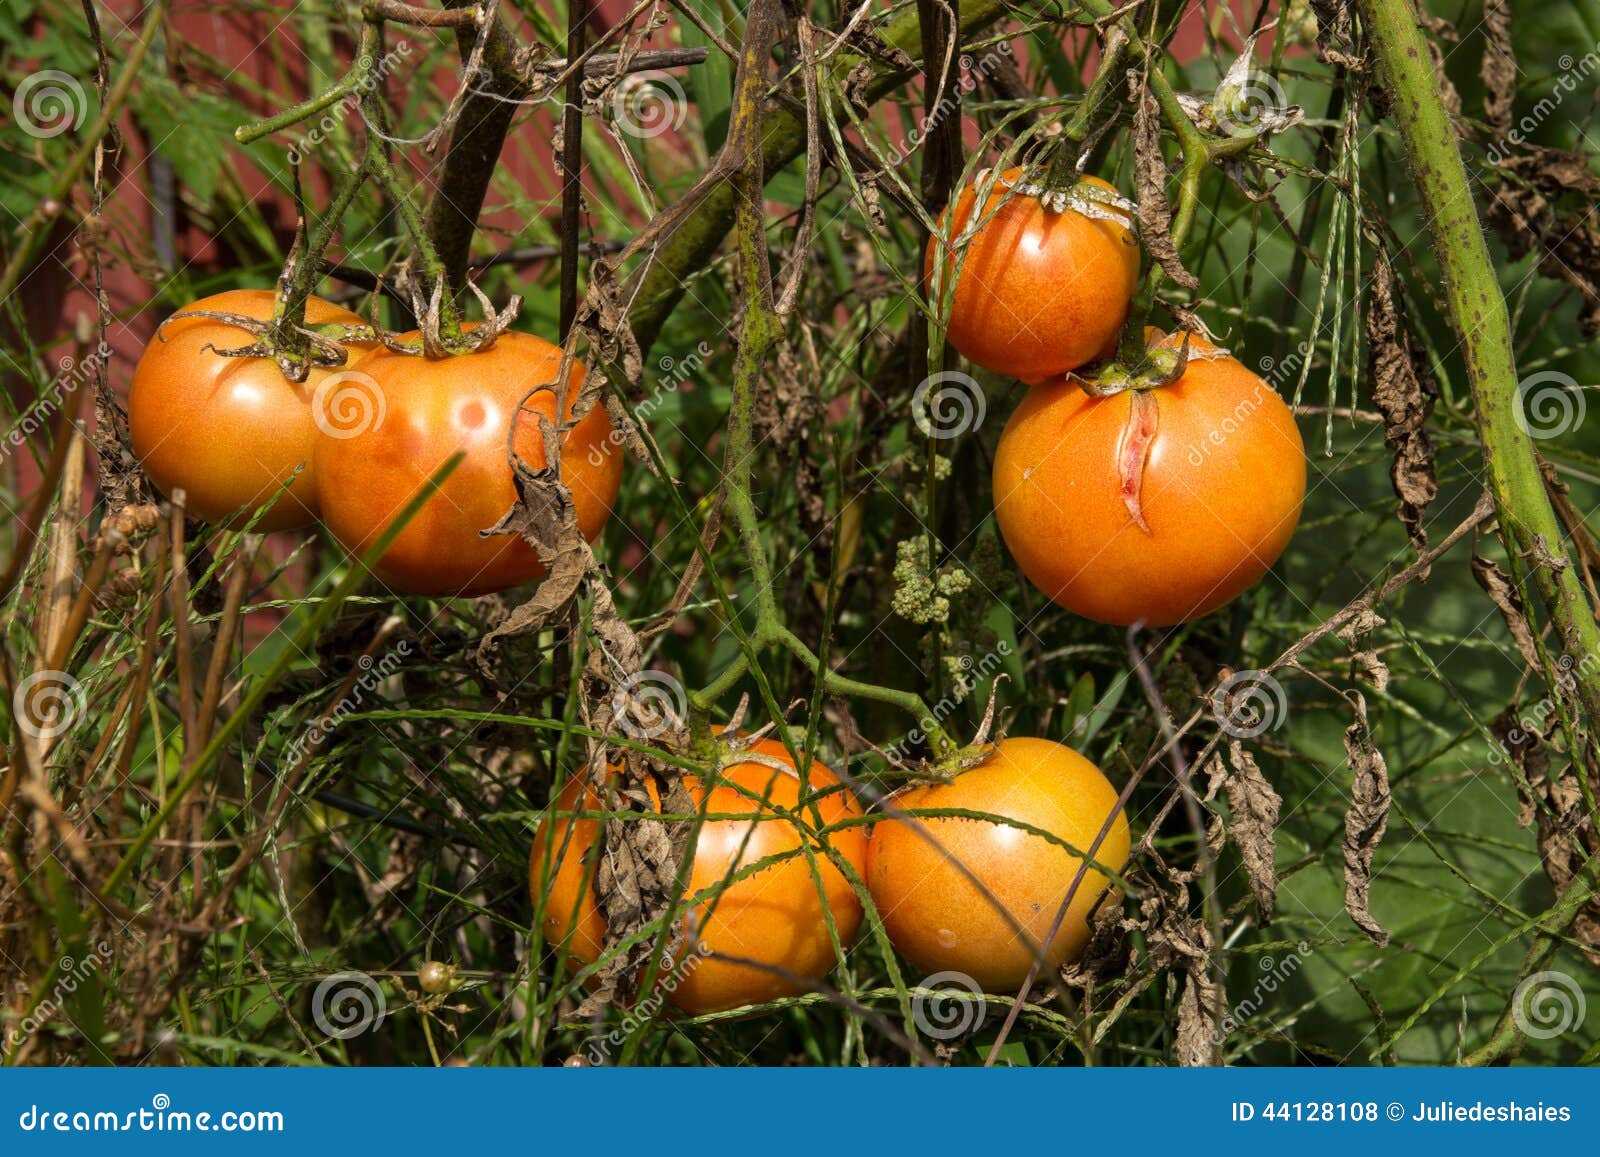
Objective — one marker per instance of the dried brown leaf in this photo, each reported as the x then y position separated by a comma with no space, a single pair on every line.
1508,600
1365,821
1369,665
1405,399
1253,805
1150,179
1498,69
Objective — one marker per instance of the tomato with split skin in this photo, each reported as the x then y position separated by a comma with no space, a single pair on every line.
232,433
753,940
1156,506
401,417
1037,293
921,870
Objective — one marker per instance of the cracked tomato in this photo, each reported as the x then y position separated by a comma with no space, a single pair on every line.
1153,505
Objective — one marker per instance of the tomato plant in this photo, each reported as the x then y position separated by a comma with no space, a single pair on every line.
924,872
773,918
406,415
231,432
1212,466
1037,292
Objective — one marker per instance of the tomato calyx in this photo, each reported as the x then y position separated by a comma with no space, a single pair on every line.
442,336
317,347
1081,196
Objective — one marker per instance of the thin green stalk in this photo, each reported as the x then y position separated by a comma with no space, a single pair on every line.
1478,316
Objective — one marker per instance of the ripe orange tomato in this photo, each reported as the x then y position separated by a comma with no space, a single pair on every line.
1037,293
229,431
773,917
1219,490
939,920
406,415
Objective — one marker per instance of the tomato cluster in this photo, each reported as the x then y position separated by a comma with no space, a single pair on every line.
354,445
1156,503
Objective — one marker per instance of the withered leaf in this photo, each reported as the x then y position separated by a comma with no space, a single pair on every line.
1254,805
1405,399
1150,178
1365,821
1498,69
1369,665
1507,599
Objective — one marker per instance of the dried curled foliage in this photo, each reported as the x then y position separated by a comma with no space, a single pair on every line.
1150,175
1404,394
1549,204
1180,943
1555,803
1336,42
1498,69
1508,601
1253,807
1368,664
1366,819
